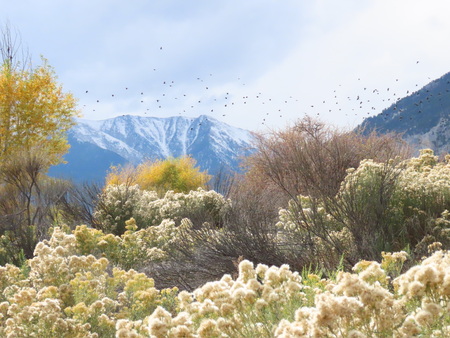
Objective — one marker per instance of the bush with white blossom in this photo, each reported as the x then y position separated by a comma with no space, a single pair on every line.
118,203
380,207
86,282
65,293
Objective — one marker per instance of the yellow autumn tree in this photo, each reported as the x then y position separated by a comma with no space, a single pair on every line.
177,174
34,110
35,114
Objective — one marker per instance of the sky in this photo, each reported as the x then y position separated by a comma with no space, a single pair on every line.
254,64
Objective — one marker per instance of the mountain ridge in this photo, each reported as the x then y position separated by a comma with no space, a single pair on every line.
213,144
423,117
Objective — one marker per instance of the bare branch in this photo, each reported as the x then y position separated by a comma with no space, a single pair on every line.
11,49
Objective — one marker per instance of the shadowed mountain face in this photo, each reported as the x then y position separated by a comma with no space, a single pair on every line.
96,145
423,117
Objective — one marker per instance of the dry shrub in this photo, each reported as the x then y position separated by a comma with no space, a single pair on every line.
307,159
28,201
311,158
78,204
248,230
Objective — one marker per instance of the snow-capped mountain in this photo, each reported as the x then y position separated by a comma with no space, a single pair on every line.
96,145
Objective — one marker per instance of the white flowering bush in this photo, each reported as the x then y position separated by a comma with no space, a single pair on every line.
317,239
268,301
411,209
176,206
133,248
379,207
68,292
425,199
361,304
88,282
118,203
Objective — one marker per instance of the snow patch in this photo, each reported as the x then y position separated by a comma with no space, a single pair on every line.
136,137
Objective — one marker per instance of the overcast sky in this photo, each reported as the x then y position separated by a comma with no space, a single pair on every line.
254,64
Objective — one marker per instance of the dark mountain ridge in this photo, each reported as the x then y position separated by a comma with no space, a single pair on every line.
423,117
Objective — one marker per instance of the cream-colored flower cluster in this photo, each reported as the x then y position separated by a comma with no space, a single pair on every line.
120,202
362,304
425,179
177,206
420,182
252,304
377,203
367,173
134,247
304,221
69,294
269,301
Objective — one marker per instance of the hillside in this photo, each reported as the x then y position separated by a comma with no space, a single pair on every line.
422,117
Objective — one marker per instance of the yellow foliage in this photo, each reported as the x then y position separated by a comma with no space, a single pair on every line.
121,175
177,174
34,110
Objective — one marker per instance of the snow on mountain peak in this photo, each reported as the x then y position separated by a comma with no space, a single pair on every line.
212,143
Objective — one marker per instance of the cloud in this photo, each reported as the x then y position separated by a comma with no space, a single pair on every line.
297,54
378,43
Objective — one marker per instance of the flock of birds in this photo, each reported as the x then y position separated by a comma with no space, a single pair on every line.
203,98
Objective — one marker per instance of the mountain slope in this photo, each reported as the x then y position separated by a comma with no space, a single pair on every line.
86,162
213,144
423,117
